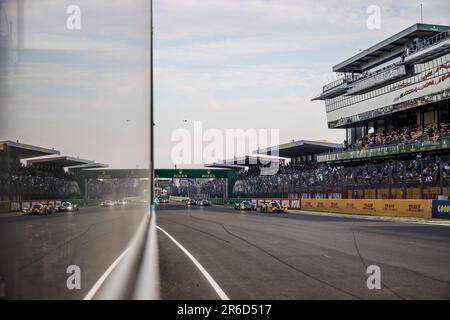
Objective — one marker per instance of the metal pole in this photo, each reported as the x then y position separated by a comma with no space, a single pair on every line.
421,13
441,181
152,124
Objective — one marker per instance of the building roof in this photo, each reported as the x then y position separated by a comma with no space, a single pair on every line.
248,160
224,165
303,147
62,161
388,49
93,165
22,151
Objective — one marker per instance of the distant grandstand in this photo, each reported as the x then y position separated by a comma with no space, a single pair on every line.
32,173
393,102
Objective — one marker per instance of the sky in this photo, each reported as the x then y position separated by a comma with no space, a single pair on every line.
231,64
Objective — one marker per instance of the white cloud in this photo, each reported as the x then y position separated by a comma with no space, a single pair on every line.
217,61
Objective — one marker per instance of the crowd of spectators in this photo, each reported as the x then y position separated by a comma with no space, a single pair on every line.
28,182
199,188
115,189
404,135
306,176
213,188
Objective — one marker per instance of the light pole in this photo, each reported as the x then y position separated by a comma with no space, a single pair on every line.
152,124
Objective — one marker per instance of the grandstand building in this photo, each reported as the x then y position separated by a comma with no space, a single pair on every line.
401,82
393,101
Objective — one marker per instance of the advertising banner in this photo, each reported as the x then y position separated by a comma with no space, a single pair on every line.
295,204
15,206
260,202
25,205
441,209
376,207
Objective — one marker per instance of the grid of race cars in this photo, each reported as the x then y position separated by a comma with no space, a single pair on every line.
42,208
245,205
66,206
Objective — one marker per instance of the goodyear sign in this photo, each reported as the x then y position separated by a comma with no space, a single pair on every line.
441,209
375,207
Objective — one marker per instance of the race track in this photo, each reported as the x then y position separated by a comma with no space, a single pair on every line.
299,256
247,255
35,251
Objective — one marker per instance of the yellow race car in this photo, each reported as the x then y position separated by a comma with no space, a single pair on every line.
39,209
273,207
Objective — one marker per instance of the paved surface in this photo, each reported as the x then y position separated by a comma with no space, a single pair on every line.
299,256
250,255
35,251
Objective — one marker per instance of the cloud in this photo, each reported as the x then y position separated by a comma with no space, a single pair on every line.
229,63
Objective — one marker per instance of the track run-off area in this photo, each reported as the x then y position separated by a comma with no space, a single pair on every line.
219,253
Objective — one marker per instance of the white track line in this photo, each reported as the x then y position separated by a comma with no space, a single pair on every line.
105,275
205,273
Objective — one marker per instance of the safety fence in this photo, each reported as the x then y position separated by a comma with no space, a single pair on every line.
414,208
16,206
373,207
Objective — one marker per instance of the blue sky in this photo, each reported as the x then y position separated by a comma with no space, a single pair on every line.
229,63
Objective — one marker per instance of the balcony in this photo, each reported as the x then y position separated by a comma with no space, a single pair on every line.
415,147
333,89
428,49
378,78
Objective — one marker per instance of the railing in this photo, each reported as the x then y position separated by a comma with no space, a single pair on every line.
423,177
426,43
334,84
400,188
378,77
414,147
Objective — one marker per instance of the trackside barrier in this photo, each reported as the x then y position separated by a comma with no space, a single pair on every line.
136,276
441,209
19,205
178,199
290,203
373,207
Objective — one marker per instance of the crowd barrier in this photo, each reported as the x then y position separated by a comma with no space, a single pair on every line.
19,205
178,199
374,207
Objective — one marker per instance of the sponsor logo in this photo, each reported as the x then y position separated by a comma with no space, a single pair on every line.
350,205
369,206
415,208
443,208
389,207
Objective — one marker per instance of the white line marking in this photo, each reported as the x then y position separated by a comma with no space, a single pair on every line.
205,273
105,275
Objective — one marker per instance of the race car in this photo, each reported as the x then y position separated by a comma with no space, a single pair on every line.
107,203
273,207
67,207
204,203
245,205
191,202
121,203
39,209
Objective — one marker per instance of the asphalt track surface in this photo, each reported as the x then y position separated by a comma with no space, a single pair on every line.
35,251
249,255
299,256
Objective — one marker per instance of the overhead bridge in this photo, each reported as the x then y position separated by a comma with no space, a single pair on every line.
229,175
